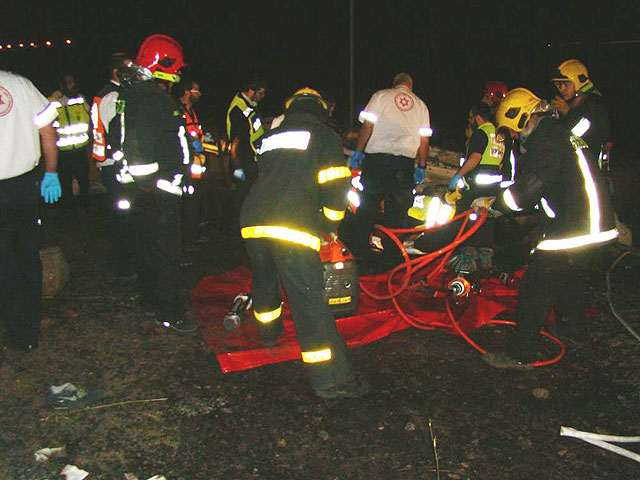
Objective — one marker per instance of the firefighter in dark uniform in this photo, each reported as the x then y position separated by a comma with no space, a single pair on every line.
300,192
558,173
156,158
107,153
582,109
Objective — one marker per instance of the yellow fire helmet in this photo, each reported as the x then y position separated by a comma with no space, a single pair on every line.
516,108
575,72
306,93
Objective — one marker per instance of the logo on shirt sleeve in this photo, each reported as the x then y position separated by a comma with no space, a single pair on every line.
403,102
6,101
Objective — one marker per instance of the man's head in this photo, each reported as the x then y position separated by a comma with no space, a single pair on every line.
117,63
187,90
255,90
479,113
572,79
68,85
403,79
518,108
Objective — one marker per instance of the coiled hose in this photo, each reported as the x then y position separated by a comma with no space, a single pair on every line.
413,268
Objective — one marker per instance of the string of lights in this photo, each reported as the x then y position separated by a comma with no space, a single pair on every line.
10,46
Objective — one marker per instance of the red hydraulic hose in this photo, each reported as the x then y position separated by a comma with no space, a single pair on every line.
413,266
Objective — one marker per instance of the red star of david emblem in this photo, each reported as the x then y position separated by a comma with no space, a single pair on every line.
403,102
6,101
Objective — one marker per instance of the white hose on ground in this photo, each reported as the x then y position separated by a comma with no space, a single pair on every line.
613,310
602,441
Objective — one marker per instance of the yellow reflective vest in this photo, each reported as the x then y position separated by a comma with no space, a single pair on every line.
255,123
73,123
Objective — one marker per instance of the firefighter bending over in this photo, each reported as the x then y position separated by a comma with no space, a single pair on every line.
558,173
300,192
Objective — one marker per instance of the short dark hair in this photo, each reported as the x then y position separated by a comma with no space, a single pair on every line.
254,84
183,85
116,60
481,109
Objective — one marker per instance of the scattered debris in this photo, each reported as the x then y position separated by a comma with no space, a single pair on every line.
71,472
541,393
131,476
435,451
409,427
68,395
44,454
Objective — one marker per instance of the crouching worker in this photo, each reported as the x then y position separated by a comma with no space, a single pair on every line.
559,174
301,192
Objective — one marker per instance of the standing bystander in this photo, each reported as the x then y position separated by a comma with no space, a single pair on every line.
26,134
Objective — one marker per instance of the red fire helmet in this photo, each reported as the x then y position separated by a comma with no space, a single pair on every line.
495,90
163,56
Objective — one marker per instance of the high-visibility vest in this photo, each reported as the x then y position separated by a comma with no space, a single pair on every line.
255,123
99,151
191,123
488,170
72,125
106,144
194,132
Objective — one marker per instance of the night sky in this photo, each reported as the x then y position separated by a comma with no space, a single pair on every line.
451,49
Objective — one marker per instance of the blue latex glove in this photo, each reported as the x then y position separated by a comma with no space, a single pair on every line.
50,188
453,184
355,160
418,176
197,146
238,173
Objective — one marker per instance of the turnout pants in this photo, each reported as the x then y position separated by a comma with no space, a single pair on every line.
299,270
157,218
122,235
387,178
20,265
558,280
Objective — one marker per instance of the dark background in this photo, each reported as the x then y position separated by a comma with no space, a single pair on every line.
450,48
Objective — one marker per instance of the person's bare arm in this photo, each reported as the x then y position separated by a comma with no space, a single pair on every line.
364,135
423,152
49,149
472,162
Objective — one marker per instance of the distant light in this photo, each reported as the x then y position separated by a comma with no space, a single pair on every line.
8,45
67,41
48,43
21,45
1,47
32,45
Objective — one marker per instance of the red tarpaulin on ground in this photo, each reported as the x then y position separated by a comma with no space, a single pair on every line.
241,349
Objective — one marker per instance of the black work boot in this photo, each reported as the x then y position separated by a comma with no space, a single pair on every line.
518,355
269,335
355,387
